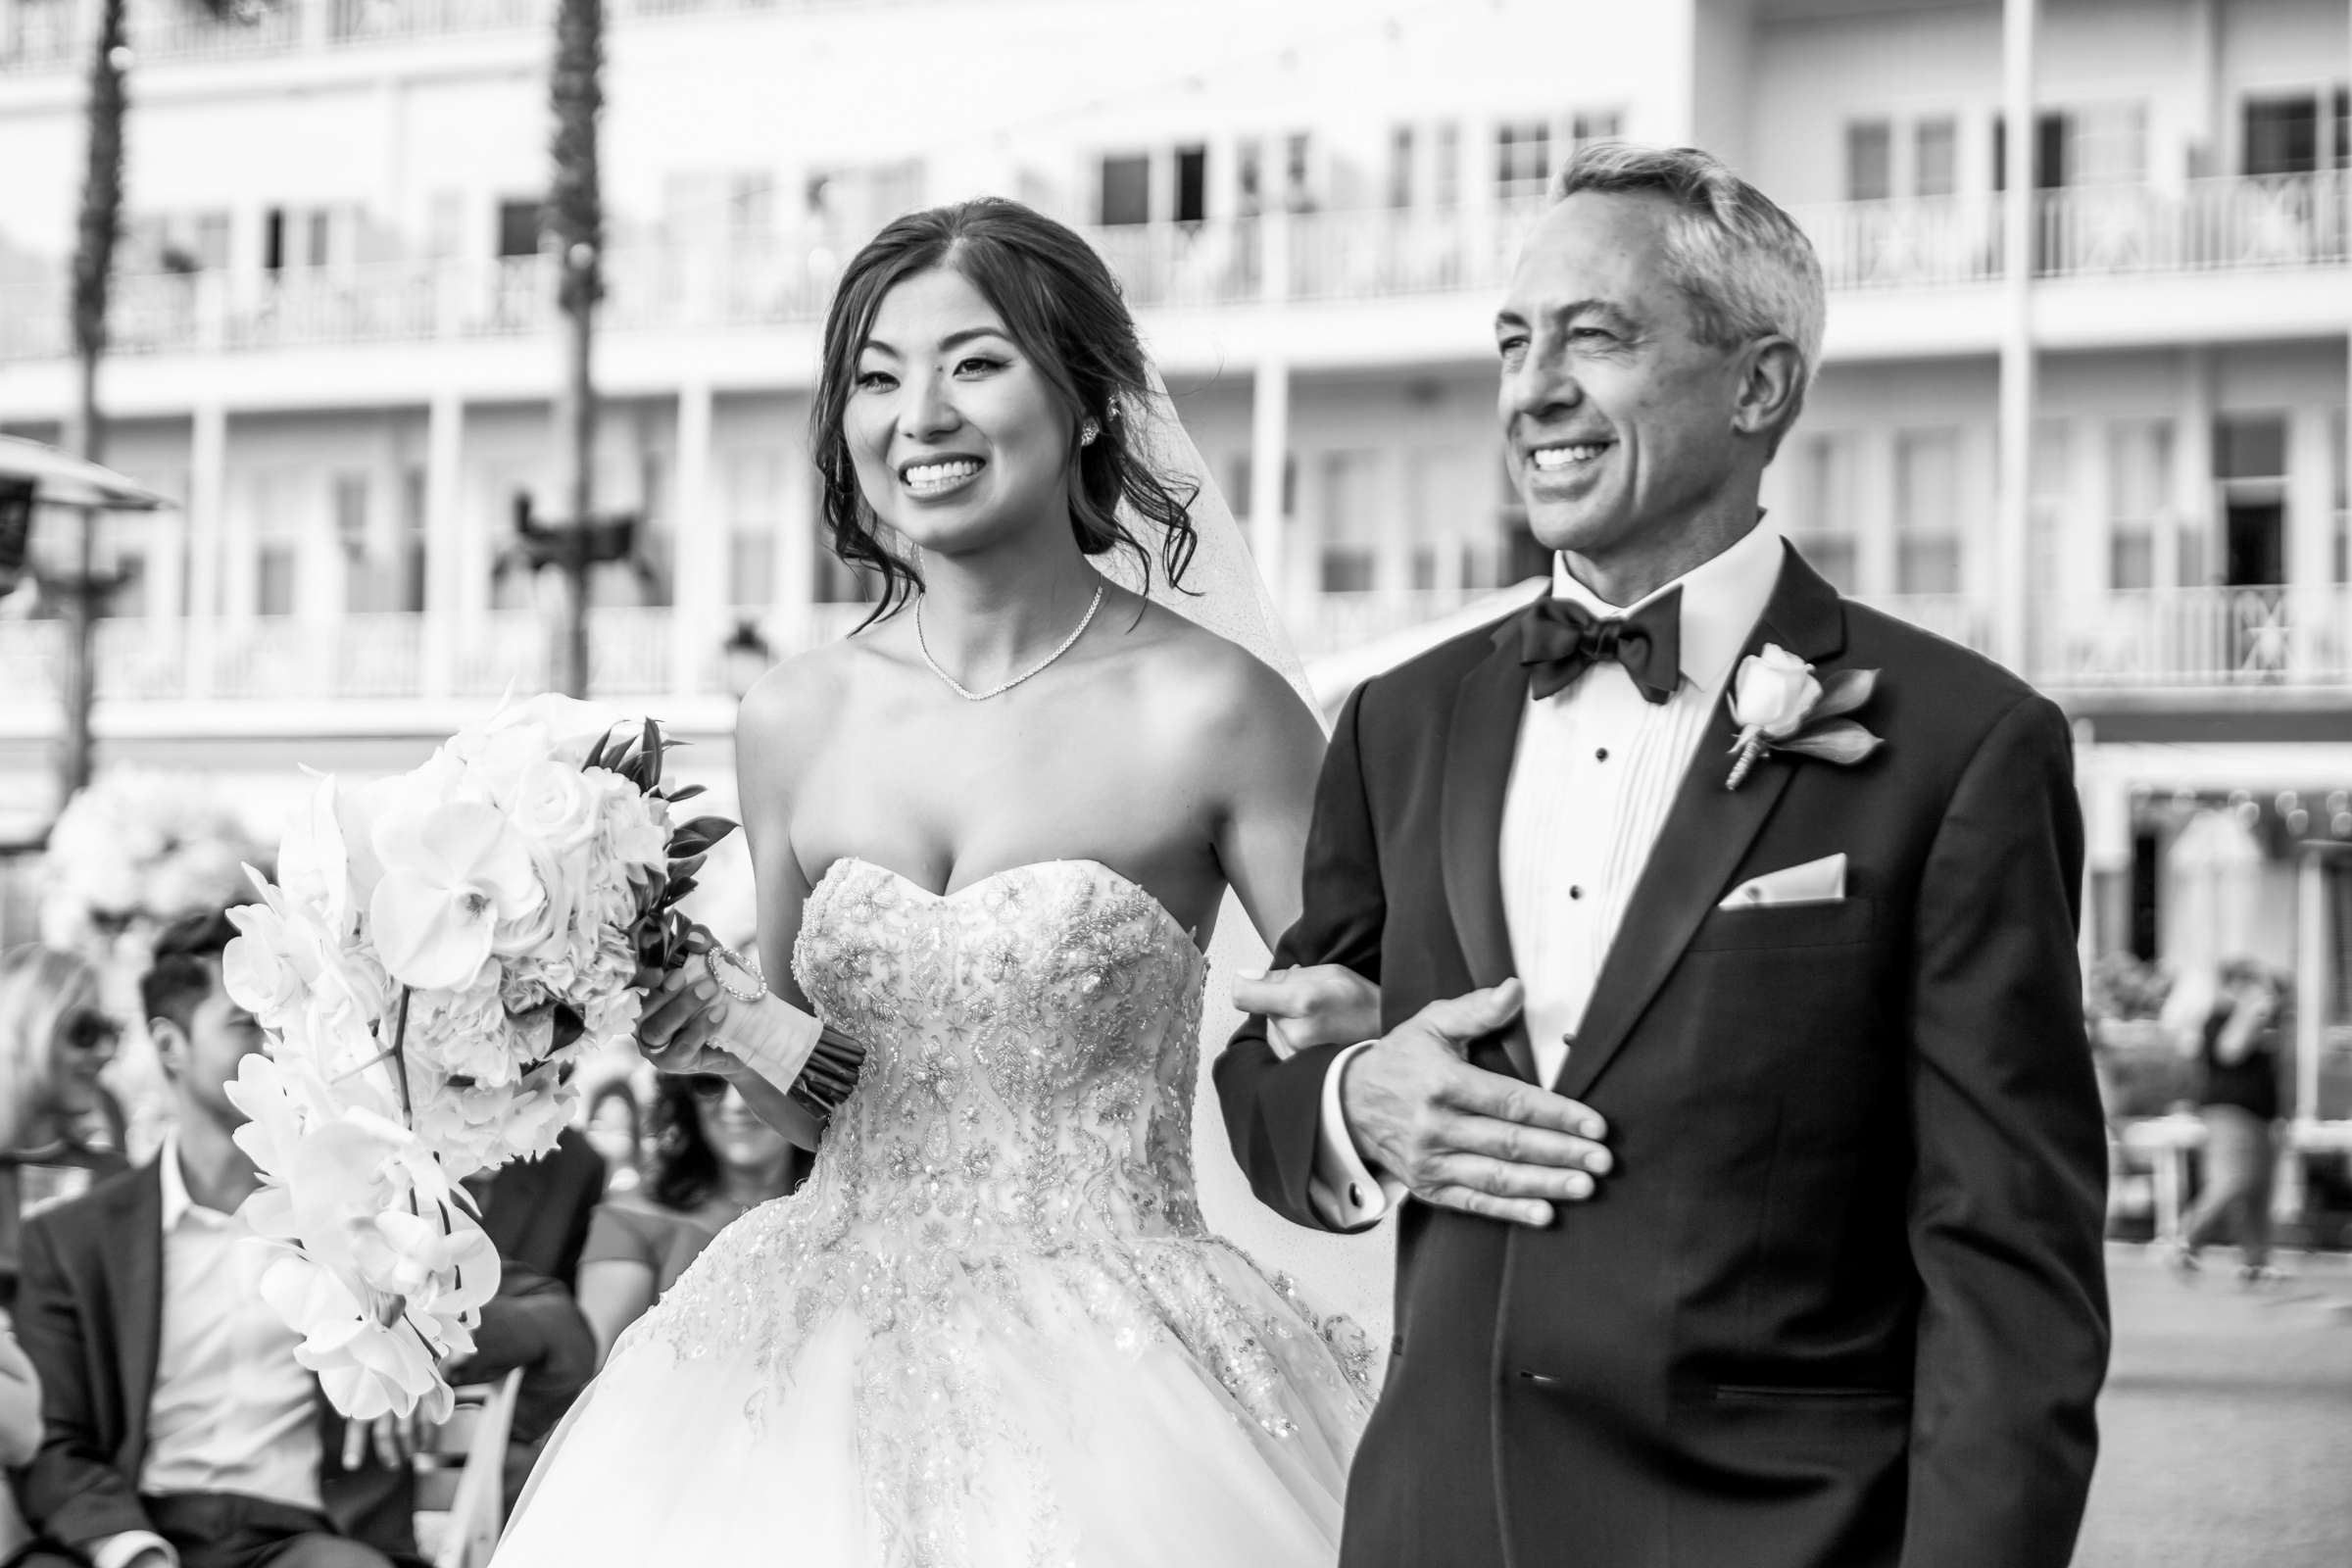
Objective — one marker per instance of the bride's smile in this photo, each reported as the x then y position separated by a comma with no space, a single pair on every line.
961,442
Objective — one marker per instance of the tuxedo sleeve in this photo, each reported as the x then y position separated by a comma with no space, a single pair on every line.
72,1491
1273,1104
2007,1204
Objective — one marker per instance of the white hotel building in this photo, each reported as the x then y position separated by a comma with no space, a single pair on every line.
335,342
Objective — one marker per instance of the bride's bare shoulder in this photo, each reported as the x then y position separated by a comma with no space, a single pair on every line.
1211,686
804,696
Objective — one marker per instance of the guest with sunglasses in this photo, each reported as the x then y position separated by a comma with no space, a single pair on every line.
713,1160
60,1129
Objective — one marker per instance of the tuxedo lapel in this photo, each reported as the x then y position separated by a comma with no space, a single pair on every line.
1481,739
131,1256
1706,833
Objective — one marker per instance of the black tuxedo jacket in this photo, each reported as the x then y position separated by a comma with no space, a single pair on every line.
90,1317
1841,1299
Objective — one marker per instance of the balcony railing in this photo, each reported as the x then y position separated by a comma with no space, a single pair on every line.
51,38
2088,231
770,280
2183,639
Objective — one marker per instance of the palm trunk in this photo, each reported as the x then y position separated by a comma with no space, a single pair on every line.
94,272
575,218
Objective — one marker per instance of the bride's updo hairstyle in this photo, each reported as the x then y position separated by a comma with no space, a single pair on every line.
1062,307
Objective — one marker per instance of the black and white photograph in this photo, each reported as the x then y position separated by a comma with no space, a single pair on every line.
1176,783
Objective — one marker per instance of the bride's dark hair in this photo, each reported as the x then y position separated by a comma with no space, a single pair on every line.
1063,308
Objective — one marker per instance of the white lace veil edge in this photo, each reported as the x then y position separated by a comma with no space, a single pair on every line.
1223,590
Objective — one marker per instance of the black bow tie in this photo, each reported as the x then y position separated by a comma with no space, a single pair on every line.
1560,639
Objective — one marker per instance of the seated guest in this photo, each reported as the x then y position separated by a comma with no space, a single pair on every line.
60,1131
20,1429
712,1161
536,1211
615,1128
179,1431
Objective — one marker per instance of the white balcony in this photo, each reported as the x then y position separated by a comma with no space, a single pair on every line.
1869,251
51,39
2183,641
2206,225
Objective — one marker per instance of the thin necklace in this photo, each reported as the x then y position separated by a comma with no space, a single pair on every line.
969,695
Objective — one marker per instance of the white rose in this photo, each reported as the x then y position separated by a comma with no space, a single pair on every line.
1775,693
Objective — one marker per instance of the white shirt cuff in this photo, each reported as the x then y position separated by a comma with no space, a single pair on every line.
113,1551
778,1058
1345,1193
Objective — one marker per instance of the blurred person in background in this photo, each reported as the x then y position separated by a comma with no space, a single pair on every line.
616,1130
2240,1050
20,1431
179,1430
60,1129
712,1161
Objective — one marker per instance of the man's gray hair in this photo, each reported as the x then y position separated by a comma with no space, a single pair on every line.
1742,261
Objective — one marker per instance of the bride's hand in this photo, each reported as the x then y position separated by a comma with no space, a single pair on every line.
679,1030
1323,1004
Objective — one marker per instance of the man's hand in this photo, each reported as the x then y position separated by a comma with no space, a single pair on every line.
395,1438
1319,1004
1461,1137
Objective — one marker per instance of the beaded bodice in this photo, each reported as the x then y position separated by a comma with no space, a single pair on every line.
1031,1045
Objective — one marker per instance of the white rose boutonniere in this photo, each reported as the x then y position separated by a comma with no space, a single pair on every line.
1781,706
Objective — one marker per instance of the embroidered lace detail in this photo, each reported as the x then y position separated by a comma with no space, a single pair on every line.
1015,1163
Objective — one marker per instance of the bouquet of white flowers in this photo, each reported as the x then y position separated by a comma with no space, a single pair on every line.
438,948
131,854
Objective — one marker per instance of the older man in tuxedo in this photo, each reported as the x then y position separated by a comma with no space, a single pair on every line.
1739,1116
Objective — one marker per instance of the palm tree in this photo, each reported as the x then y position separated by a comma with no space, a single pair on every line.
575,218
96,236
101,226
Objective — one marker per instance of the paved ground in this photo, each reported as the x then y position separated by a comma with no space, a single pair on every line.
2228,1420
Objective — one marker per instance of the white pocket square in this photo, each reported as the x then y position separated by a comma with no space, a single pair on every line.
1821,881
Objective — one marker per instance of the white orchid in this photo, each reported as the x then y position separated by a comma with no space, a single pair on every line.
452,872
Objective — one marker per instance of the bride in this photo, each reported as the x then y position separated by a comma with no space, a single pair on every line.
992,833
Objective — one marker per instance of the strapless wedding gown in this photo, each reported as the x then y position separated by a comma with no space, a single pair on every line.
991,1329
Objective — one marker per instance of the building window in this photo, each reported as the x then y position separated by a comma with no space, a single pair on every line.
1927,513
2107,144
409,541
1244,475
1936,156
1522,159
1126,190
1191,184
1593,124
519,228
1401,166
1249,179
2140,484
2282,135
1445,177
276,547
751,481
1298,191
2343,499
1828,522
1869,159
1352,515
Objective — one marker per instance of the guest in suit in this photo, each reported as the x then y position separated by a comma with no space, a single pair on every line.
60,1130
714,1161
1748,1155
179,1431
537,1211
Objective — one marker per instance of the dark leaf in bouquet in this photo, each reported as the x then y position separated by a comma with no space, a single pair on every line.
679,889
653,755
680,871
596,753
570,1026
693,837
686,794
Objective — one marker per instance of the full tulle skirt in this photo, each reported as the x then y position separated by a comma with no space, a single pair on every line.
1143,1403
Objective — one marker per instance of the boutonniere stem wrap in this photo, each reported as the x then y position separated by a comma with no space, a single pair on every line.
1779,704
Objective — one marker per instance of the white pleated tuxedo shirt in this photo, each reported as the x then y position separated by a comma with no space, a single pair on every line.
1595,773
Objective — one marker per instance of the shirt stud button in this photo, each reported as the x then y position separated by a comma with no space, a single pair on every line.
1576,893
1602,755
